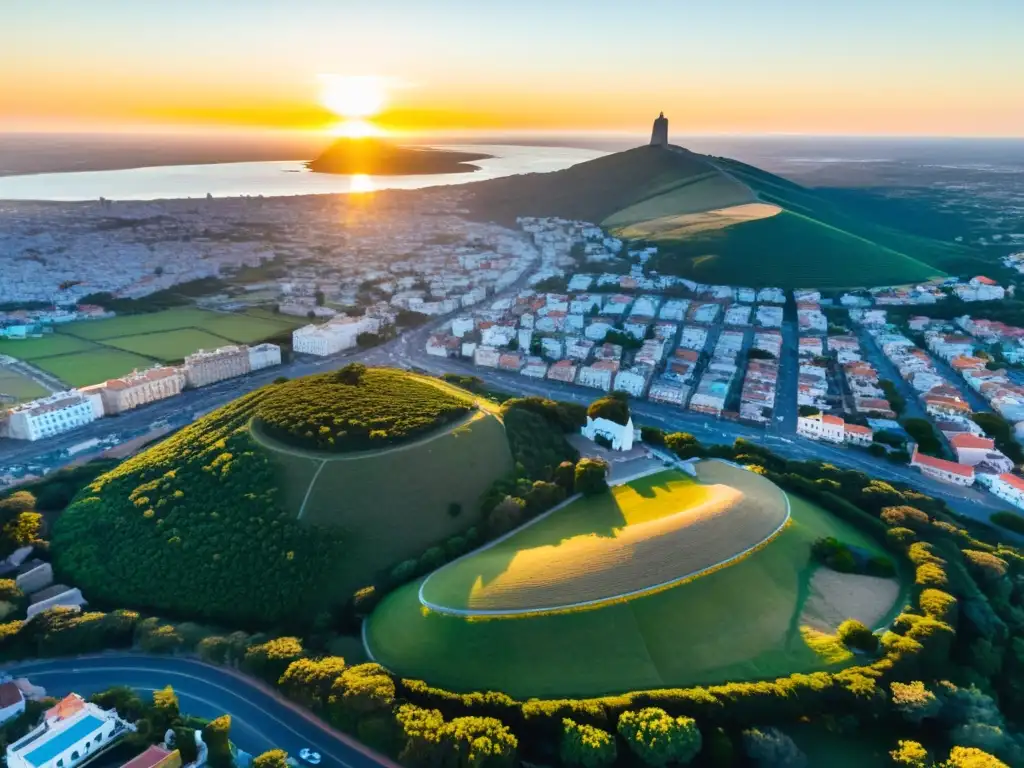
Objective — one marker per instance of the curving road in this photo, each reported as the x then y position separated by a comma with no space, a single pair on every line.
260,719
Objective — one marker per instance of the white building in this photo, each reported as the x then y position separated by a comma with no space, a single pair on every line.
620,435
51,415
463,325
822,426
71,733
940,469
486,356
330,338
264,356
1007,487
633,380
599,375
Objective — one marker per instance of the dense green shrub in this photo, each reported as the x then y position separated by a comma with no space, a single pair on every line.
356,408
217,737
1011,521
659,739
309,681
853,634
269,660
275,758
914,701
586,746
537,442
613,407
771,748
591,477
910,754
195,526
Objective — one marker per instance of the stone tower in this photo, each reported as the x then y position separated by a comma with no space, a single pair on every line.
659,136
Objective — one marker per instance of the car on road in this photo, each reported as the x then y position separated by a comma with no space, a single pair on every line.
309,756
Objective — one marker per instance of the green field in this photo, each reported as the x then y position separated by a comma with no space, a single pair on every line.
815,242
739,623
647,532
47,346
393,504
168,346
21,387
240,328
85,368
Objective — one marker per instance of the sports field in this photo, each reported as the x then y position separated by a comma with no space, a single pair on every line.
19,386
168,346
645,533
741,622
92,351
82,369
394,504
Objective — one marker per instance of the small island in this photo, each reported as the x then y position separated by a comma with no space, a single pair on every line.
374,157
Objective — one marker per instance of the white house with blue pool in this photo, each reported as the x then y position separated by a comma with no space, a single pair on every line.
70,734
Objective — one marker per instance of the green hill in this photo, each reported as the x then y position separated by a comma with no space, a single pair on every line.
715,219
223,521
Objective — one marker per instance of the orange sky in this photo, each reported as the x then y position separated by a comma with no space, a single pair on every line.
917,67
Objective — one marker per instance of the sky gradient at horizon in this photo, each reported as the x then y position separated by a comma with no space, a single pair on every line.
909,67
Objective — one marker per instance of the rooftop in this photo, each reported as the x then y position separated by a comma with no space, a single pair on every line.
58,741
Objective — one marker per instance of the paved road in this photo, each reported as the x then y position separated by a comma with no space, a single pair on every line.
260,719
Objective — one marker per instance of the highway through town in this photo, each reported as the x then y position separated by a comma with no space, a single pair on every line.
260,718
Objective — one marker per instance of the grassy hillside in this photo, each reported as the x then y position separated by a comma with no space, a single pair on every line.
644,533
213,524
383,520
649,192
739,623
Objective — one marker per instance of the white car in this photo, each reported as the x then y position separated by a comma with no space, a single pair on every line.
309,756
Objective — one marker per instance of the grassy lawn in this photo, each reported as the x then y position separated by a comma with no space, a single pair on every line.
48,346
738,623
647,532
168,345
19,386
132,325
249,328
84,368
393,504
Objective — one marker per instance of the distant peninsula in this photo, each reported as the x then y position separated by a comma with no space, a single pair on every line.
374,157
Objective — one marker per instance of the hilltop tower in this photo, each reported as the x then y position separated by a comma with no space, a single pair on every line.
659,136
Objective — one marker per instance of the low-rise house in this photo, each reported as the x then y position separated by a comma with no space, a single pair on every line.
599,375
155,756
674,309
669,392
439,345
608,352
598,329
811,346
650,353
1008,487
665,331
822,426
578,349
633,380
693,337
972,450
486,357
768,316
71,733
534,368
738,314
552,348
858,435
510,361
940,469
562,370
463,324
469,348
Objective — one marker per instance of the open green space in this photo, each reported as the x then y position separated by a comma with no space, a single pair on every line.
393,504
168,346
815,241
132,325
19,386
212,523
644,533
252,327
738,623
50,345
82,369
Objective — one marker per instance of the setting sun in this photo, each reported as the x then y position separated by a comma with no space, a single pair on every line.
355,98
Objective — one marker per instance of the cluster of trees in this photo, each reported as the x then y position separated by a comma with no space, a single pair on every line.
356,408
623,339
154,718
892,394
923,433
195,526
613,407
55,491
20,524
180,295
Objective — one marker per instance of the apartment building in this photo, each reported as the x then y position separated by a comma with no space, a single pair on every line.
203,368
140,388
264,356
49,416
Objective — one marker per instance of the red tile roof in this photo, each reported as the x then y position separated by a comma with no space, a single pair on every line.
857,429
153,757
967,440
1013,480
66,707
952,467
